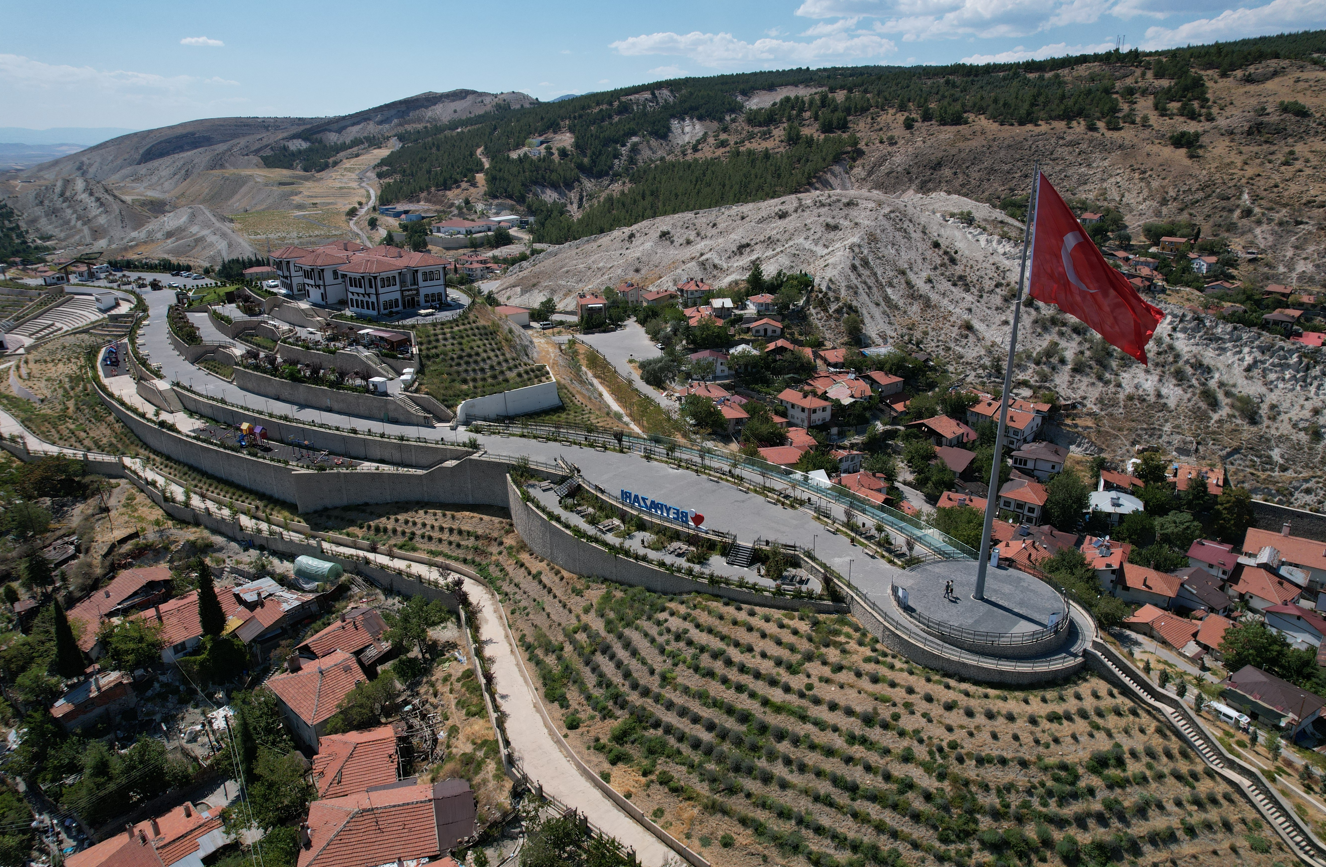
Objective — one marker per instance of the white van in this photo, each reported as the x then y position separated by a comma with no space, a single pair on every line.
1229,716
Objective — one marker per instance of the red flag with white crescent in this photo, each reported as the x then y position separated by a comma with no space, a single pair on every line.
1068,271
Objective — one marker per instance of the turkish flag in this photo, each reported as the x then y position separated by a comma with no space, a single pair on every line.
1067,270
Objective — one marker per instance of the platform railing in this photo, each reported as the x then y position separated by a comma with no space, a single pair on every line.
993,639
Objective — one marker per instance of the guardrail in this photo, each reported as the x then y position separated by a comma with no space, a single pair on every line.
912,632
912,528
993,639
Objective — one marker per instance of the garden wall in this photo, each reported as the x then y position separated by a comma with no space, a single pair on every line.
1273,517
519,401
354,403
362,447
344,361
581,557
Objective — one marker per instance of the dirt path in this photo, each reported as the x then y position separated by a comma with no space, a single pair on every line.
365,182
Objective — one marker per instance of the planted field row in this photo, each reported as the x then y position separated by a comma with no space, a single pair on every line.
792,736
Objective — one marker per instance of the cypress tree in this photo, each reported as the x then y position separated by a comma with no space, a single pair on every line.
210,616
68,657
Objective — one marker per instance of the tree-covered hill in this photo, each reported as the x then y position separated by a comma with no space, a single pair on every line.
606,130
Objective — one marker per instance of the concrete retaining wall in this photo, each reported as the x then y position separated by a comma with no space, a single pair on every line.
921,655
341,360
360,404
431,404
520,401
405,453
557,545
159,394
193,353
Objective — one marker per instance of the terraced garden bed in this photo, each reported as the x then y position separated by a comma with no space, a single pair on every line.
759,736
472,355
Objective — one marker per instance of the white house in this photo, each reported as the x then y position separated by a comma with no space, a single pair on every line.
766,328
804,410
370,281
1040,459
1300,626
763,303
1114,504
719,358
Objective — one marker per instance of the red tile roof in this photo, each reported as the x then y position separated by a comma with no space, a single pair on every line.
315,691
883,379
1212,631
345,245
1308,553
1311,618
372,265
291,252
805,401
398,824
1215,477
1174,630
322,259
950,500
1141,578
766,321
955,459
1095,550
1017,419
693,285
103,601
1213,553
355,762
1264,585
1120,480
948,428
782,455
357,630
164,840
1025,491
833,356
872,486
801,438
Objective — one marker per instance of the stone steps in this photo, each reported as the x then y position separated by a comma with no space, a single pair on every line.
1266,803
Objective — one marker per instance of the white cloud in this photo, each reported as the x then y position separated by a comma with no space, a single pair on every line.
41,94
603,81
917,20
1278,16
825,28
667,72
203,41
566,51
718,50
1059,49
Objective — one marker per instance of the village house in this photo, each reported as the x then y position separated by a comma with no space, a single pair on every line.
1199,590
1106,557
356,762
370,280
1040,459
358,631
310,693
103,696
1183,475
185,836
735,416
944,431
1279,290
656,297
1212,634
804,410
1260,589
766,329
951,500
1024,499
1143,586
1267,699
719,360
849,460
871,486
1114,505
762,303
832,357
410,823
693,291
1112,481
131,590
1305,554
1021,428
956,459
1217,558
1179,633
591,309
884,384
783,456
1170,245
1301,627
518,316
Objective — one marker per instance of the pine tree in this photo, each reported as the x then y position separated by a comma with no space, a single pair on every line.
210,616
68,657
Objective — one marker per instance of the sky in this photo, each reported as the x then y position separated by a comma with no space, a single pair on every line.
142,63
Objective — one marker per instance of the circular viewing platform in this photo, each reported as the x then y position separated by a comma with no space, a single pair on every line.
1020,616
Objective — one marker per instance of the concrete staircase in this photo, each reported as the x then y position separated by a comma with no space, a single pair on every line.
1246,779
740,555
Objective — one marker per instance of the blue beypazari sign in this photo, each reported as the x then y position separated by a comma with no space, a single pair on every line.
663,510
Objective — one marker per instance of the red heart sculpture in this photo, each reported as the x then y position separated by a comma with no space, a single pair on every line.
697,519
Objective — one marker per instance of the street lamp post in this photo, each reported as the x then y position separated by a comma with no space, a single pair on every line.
849,572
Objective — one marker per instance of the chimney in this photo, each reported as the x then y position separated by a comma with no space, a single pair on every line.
304,840
294,663
1284,531
142,839
188,812
128,826
107,594
156,609
156,827
342,616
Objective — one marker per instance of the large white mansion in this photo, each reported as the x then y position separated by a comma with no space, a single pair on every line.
371,281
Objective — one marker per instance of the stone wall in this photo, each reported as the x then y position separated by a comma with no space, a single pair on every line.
557,545
520,401
360,404
1273,517
364,447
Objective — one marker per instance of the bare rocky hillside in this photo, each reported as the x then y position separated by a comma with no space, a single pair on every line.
106,196
922,279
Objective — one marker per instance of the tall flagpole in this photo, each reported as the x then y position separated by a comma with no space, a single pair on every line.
992,496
